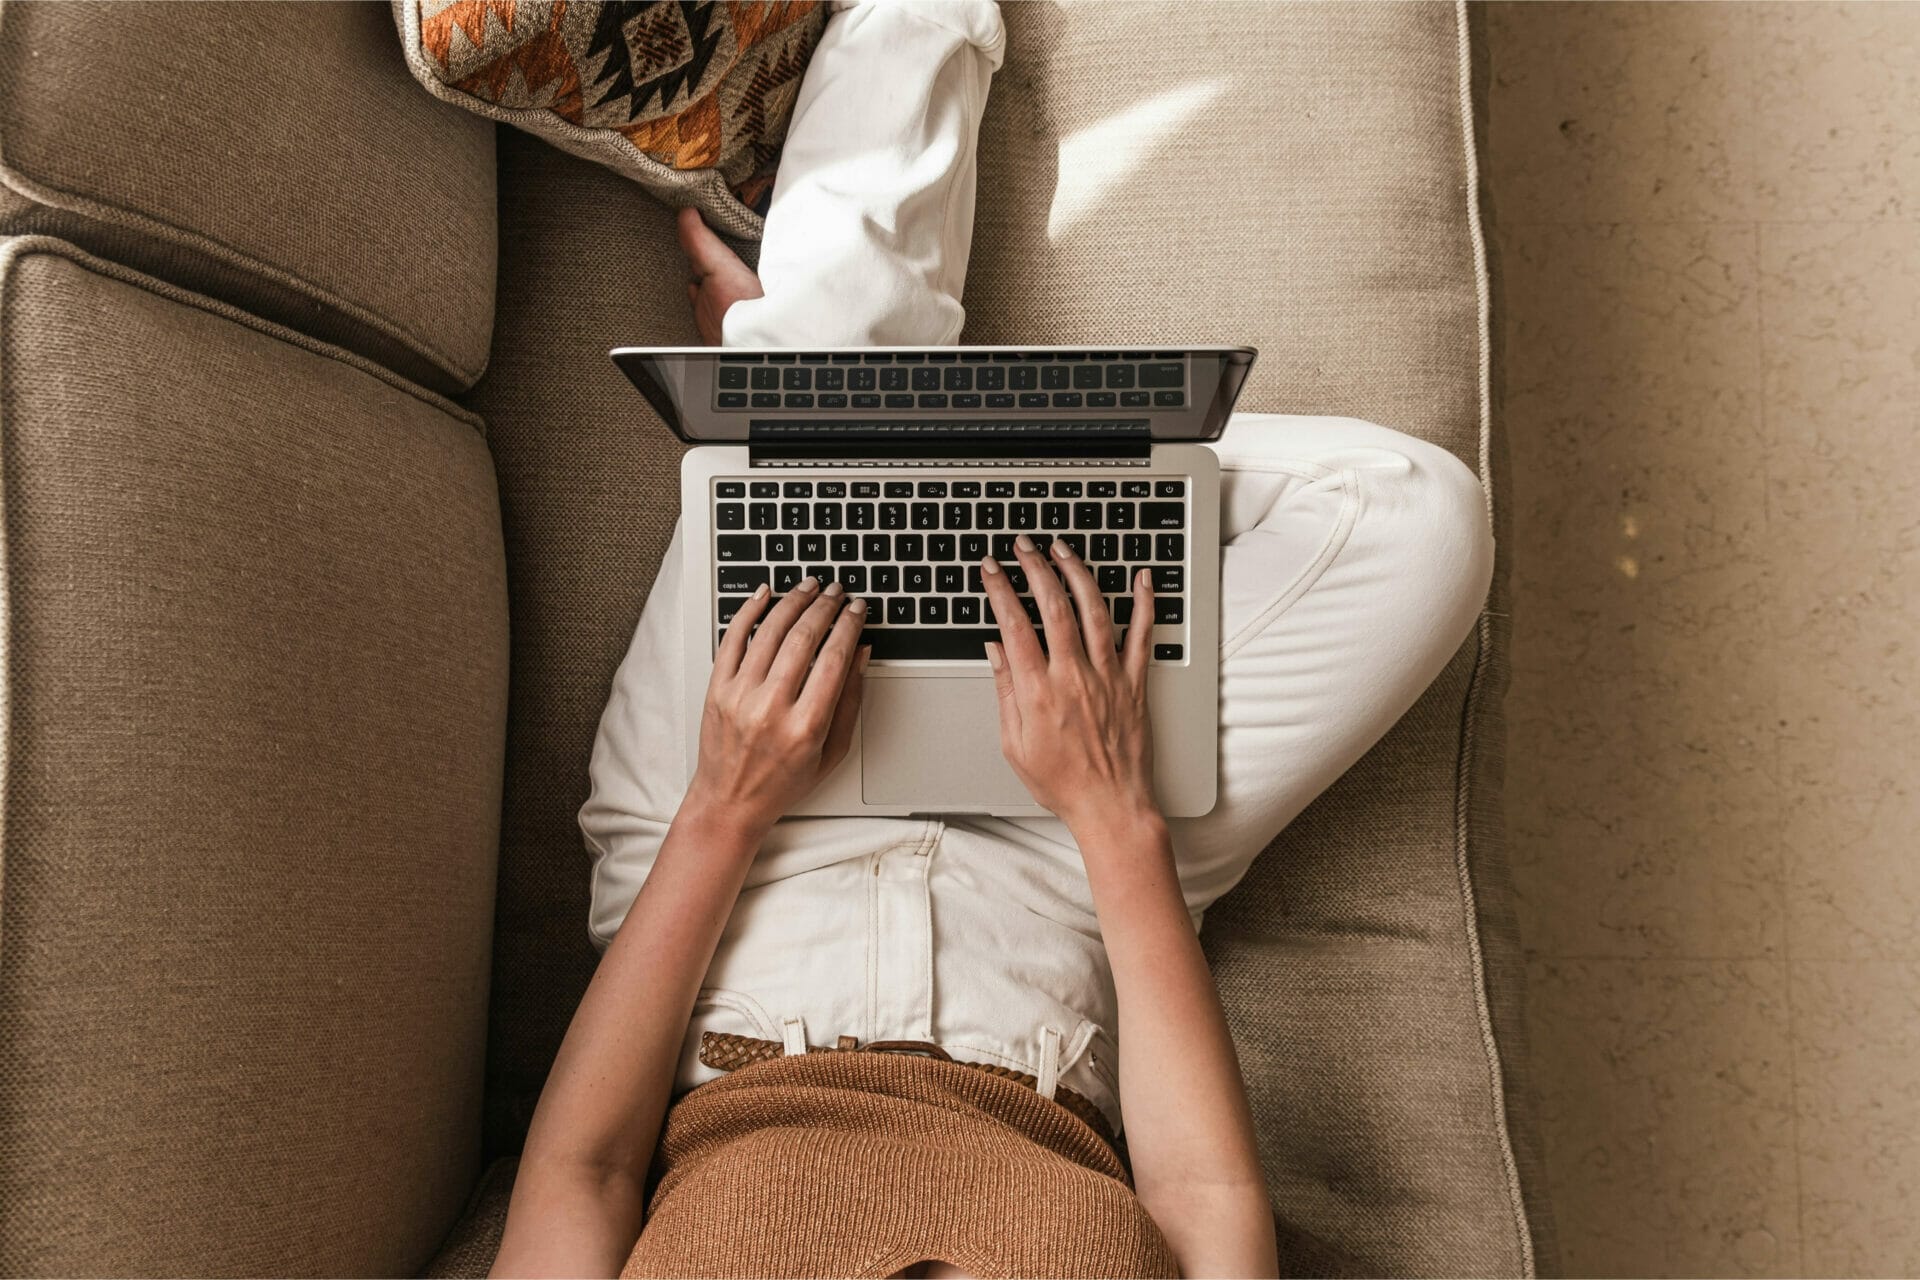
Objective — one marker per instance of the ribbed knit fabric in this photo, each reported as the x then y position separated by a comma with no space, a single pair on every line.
860,1164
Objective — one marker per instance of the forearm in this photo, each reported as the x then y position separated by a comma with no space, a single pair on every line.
1188,1124
577,1203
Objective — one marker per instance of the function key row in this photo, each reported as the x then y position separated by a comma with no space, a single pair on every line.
950,515
1021,377
941,357
955,488
960,400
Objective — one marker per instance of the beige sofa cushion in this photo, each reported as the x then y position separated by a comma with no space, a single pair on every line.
254,702
275,156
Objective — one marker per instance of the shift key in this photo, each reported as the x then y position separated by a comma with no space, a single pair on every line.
1163,515
741,579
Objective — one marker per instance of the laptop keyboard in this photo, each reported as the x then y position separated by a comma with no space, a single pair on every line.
912,548
947,381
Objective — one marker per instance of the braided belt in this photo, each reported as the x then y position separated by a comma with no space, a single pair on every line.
730,1052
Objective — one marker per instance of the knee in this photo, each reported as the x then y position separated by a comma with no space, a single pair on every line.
1439,526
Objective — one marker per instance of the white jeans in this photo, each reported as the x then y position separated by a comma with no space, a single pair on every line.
1354,562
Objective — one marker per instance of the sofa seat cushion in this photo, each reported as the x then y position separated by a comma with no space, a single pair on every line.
254,695
277,157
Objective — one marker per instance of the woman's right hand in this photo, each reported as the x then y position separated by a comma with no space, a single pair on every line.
781,708
1073,717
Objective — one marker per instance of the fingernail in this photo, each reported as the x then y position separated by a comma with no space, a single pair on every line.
860,663
1140,579
807,583
993,656
1023,542
856,605
834,588
989,566
1061,549
760,591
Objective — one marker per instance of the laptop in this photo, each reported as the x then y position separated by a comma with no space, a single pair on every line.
893,471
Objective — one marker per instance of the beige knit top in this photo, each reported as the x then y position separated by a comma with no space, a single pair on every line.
860,1164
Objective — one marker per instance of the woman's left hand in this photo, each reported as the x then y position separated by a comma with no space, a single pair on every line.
716,277
781,708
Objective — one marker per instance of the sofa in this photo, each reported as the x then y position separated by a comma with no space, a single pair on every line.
325,520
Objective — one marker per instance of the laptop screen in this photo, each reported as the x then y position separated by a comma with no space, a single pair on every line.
721,395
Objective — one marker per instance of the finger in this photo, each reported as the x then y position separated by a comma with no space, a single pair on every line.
1139,645
1096,628
1003,689
1018,642
846,712
803,641
1056,611
706,251
829,672
766,642
726,660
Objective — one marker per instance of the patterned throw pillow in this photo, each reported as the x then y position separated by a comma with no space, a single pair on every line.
690,98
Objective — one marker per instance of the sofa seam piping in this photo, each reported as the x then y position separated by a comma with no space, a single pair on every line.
1476,681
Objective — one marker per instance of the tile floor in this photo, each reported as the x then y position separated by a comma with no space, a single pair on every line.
1709,231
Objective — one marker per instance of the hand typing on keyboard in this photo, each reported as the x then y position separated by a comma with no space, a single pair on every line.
781,707
1073,717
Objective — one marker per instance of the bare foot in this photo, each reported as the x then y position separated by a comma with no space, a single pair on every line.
717,277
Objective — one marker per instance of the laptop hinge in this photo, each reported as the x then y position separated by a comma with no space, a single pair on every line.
951,444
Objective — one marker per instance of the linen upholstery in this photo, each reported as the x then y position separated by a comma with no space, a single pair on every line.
254,703
275,156
1369,963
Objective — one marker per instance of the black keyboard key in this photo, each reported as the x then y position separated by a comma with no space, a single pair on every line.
854,578
830,380
999,488
860,380
1170,546
795,515
973,579
1086,377
966,400
958,378
831,489
1170,488
933,612
1119,515
833,400
821,573
1033,488
991,515
909,546
903,400
733,399
1023,377
1120,376
813,357
843,547
730,605
940,546
866,401
1168,652
799,400
966,488
766,379
1017,577
999,399
1055,377
936,401
877,357
766,399
886,577
876,547
779,546
893,515
738,547
1041,541
1053,515
1112,578
1033,399
1135,399
733,377
813,546
730,515
1066,488
991,378
859,514
1136,489
846,357
1078,541
1122,610
917,578
1086,515
948,579
797,489
1170,374
1100,400
1095,489
866,488
1169,578
893,379
1137,546
973,546
1002,546
741,579
1169,609
933,488
1066,400
1023,515
828,515
909,357
764,489
1163,515
899,488
926,515
956,515
1106,546
1161,399
926,379
932,644
899,613
763,515
966,611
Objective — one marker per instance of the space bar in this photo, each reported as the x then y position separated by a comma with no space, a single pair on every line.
930,642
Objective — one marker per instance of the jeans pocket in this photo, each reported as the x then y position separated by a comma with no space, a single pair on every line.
729,1012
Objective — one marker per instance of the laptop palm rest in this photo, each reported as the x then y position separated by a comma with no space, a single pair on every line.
933,742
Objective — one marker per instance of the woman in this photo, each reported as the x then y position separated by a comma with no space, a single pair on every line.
1041,979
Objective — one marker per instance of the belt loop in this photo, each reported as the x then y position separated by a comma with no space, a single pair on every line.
796,1035
1049,1078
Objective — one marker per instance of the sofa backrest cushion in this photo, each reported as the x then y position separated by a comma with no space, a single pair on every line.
277,157
254,710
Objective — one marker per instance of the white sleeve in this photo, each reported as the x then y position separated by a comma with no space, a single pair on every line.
871,220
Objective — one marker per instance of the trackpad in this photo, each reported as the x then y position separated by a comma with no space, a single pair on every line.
934,743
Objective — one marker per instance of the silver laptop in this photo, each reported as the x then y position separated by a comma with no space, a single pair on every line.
893,471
